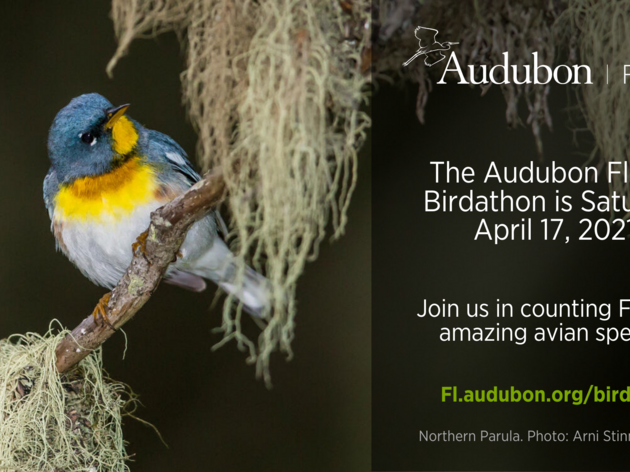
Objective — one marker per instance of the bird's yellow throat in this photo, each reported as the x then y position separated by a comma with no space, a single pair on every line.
109,196
125,136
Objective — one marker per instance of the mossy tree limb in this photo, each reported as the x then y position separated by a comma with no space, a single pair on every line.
165,234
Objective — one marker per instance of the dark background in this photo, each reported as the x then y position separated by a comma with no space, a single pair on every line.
418,255
208,406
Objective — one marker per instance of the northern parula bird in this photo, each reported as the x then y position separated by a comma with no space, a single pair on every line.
107,174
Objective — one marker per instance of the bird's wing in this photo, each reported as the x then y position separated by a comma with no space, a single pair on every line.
51,187
164,148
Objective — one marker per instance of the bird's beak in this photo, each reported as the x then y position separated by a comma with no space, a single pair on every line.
114,114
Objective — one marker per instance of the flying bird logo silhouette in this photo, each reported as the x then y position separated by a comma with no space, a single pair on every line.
431,46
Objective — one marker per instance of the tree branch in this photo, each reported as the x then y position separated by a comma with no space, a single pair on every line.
165,234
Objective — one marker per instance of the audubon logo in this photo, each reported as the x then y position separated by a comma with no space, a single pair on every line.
500,74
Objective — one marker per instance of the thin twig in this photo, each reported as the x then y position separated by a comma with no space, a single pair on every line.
164,236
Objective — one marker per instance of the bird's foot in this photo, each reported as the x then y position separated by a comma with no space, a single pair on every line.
101,310
178,255
141,243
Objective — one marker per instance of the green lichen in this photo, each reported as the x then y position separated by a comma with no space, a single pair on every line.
51,422
135,284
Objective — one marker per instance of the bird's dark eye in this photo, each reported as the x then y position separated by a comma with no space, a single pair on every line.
87,138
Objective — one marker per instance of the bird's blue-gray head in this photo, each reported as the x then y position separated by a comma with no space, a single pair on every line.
90,137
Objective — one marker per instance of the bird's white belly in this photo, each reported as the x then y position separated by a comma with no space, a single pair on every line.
102,250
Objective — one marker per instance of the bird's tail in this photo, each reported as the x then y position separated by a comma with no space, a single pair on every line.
251,288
